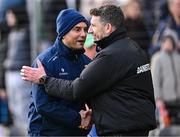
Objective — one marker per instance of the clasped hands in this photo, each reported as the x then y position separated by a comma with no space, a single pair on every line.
86,118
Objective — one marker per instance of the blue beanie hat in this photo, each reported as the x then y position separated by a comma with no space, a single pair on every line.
66,20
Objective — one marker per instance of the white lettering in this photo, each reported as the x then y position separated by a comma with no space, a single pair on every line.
143,68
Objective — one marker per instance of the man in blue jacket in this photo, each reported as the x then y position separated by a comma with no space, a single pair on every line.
50,116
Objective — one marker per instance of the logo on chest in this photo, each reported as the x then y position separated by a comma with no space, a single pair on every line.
63,72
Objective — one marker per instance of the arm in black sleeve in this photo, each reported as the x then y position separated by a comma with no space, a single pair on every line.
59,88
97,77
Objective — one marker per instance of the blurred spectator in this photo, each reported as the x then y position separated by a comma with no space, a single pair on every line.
3,50
4,111
171,22
18,54
165,66
5,4
135,24
153,11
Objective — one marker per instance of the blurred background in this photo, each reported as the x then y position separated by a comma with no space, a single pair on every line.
27,27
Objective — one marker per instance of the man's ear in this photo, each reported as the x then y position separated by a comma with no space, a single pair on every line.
108,28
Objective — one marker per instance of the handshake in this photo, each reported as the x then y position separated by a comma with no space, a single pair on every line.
86,118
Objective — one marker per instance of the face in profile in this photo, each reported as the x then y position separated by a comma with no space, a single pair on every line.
75,38
97,28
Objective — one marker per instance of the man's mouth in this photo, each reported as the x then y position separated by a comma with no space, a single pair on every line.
81,41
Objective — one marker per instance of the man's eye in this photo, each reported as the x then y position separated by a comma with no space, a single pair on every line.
86,30
77,29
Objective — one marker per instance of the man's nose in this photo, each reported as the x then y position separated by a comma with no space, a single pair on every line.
90,29
83,33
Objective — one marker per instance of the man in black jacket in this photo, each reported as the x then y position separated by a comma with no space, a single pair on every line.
118,81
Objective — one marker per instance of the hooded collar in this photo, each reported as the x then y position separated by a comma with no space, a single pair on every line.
63,50
119,33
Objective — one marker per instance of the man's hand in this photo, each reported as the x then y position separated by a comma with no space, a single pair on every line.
33,74
86,118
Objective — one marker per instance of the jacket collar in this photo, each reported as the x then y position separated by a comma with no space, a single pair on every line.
119,33
63,50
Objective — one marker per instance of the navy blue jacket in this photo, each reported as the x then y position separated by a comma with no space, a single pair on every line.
53,116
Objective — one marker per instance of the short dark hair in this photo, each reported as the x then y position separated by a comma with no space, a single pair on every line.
109,14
